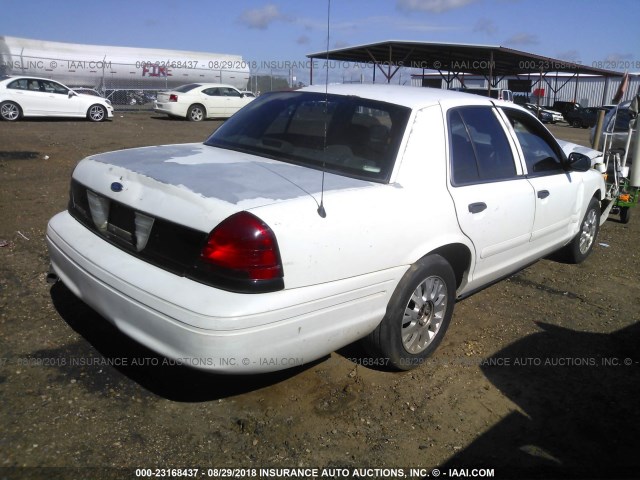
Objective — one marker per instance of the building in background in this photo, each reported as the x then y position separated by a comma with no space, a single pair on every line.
587,90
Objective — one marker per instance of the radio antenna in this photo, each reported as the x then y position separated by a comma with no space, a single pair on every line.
321,211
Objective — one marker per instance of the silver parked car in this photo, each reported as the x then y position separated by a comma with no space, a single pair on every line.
616,121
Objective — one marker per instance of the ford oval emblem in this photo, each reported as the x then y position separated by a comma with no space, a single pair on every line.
116,187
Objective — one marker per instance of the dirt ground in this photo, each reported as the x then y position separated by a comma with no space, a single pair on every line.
538,376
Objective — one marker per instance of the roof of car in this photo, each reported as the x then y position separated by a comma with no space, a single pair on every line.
200,84
18,77
412,97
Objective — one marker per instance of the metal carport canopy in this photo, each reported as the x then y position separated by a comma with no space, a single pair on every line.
492,61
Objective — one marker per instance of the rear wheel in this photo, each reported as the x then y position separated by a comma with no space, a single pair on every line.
196,113
96,113
582,244
10,111
625,214
417,316
576,123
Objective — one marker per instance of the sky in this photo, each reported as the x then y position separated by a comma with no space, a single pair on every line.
593,32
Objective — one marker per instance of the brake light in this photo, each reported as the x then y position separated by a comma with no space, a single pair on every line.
245,248
173,97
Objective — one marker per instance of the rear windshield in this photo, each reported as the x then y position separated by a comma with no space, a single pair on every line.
346,135
186,88
622,119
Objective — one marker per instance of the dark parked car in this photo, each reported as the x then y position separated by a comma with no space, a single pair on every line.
583,117
564,107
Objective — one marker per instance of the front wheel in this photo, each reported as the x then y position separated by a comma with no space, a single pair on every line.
196,113
10,111
576,124
582,244
417,316
96,113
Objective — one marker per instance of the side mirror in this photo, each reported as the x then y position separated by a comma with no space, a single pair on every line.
579,162
72,94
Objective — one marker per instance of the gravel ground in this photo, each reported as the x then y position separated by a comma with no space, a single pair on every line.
538,376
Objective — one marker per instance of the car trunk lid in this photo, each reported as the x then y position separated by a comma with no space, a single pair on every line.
198,186
164,96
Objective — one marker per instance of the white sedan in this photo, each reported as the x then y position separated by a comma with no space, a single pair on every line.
314,218
41,97
197,101
547,115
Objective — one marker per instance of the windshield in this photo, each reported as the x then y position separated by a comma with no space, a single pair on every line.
622,117
346,135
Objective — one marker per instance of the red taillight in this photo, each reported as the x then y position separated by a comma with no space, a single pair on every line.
173,97
244,247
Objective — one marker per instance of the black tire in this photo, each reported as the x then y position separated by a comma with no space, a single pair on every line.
625,214
410,331
582,244
576,123
196,113
10,111
97,113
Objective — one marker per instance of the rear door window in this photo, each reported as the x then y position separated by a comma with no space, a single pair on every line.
212,92
480,150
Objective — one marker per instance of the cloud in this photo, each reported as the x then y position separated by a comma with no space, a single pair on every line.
485,25
616,57
303,40
261,18
433,6
310,24
522,39
340,44
421,26
374,22
570,55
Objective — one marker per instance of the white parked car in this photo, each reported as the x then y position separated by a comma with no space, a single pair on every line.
313,219
555,116
546,115
197,101
40,97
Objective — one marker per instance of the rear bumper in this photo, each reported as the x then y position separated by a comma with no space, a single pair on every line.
211,329
170,108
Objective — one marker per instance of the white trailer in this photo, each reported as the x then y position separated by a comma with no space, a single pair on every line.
108,68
